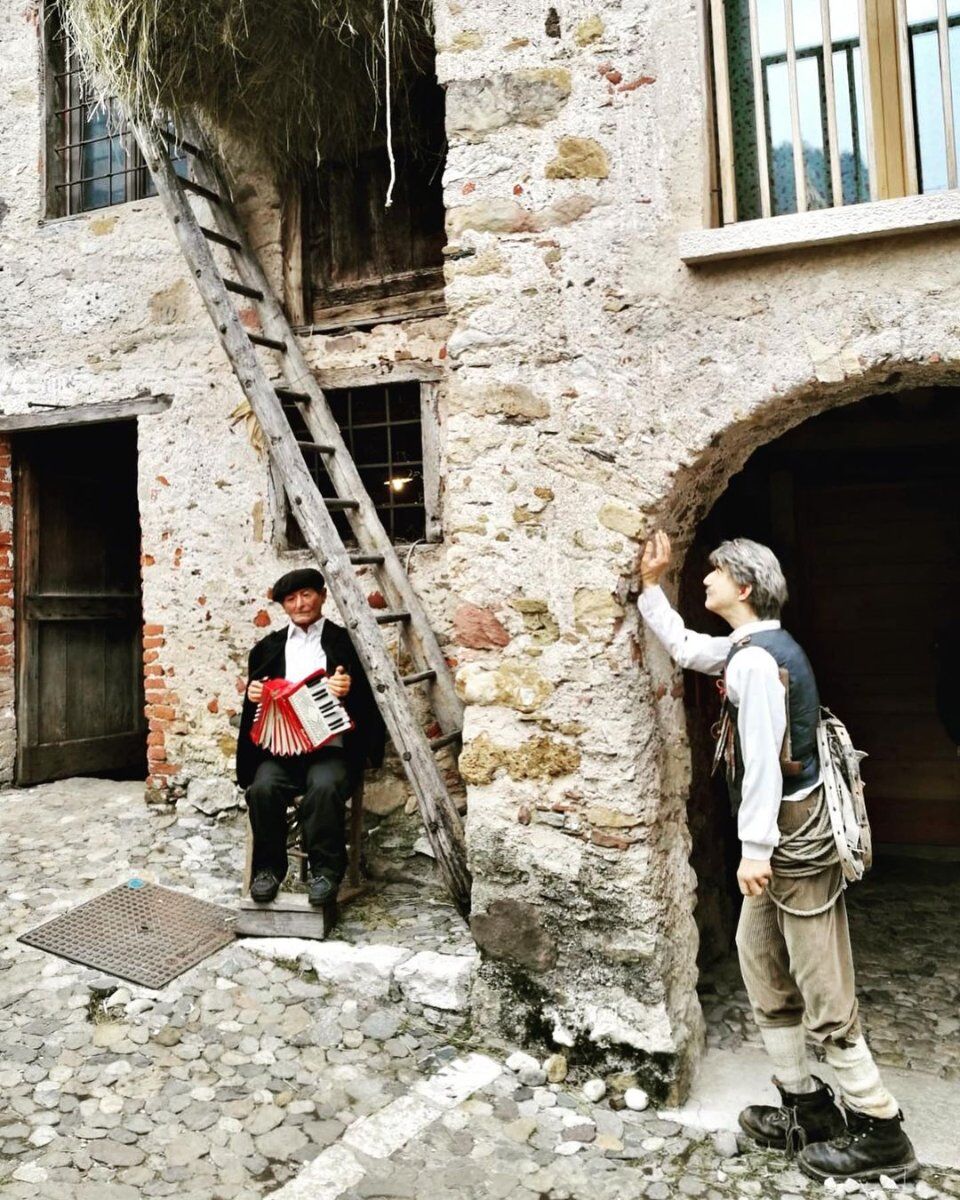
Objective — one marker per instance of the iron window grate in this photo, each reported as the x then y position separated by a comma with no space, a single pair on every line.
382,427
95,161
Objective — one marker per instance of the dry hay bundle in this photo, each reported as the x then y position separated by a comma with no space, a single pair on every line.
293,81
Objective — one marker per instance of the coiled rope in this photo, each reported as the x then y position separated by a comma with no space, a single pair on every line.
806,852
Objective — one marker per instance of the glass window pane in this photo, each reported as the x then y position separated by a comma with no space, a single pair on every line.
811,103
928,108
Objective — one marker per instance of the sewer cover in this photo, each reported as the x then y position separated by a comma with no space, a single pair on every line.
137,931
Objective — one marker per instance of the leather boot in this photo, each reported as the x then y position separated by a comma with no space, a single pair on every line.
803,1117
871,1147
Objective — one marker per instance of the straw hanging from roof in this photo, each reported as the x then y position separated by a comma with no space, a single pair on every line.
292,81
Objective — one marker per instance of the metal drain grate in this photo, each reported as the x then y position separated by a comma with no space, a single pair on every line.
138,931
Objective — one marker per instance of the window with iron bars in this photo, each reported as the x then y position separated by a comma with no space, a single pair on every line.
823,103
93,160
383,427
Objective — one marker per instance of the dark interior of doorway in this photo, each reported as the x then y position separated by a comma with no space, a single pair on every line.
862,505
79,614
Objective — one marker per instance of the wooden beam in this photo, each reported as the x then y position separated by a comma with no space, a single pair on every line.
332,378
85,414
291,250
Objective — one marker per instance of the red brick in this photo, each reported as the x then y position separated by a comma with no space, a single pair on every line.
150,643
156,738
156,754
161,711
262,619
153,669
214,705
150,656
152,630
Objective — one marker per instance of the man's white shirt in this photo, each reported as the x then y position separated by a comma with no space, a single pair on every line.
305,656
753,685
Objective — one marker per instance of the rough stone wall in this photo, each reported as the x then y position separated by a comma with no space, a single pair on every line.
100,307
595,384
598,385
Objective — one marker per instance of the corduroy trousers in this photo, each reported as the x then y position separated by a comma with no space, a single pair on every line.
799,969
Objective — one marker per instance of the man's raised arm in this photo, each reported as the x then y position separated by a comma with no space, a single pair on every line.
695,651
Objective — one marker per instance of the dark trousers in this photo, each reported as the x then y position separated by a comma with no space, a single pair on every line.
325,780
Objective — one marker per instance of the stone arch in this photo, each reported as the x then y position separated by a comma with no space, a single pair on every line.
697,487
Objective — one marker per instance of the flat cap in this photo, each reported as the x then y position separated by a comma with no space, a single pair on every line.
293,581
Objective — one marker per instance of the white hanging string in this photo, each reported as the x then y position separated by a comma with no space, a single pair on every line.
386,55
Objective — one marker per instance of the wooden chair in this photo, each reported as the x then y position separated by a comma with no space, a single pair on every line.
351,885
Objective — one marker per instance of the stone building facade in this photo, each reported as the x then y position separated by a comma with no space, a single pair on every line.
596,377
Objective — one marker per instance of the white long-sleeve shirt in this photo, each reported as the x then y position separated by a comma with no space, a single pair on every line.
305,656
753,685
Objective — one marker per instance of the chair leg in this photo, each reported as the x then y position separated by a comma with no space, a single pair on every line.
248,859
356,833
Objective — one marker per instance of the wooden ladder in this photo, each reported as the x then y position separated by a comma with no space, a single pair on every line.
314,513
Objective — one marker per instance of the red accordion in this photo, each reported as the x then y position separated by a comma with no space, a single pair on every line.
295,718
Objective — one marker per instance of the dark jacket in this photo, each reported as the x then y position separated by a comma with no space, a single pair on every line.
268,660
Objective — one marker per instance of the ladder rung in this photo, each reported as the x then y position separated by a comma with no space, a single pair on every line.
213,236
296,397
388,618
340,505
190,148
447,740
271,343
241,289
207,193
366,560
409,680
315,446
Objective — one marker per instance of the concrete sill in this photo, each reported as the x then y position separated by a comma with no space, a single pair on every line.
822,227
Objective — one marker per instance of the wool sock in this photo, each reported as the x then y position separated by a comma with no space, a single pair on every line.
858,1079
787,1047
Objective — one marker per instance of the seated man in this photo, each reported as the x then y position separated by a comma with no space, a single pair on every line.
792,939
324,778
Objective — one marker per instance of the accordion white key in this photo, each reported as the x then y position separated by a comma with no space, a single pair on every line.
296,718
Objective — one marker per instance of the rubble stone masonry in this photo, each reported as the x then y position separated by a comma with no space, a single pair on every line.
594,385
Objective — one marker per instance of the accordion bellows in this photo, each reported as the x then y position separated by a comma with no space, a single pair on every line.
295,718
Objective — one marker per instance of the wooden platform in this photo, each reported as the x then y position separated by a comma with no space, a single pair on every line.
291,915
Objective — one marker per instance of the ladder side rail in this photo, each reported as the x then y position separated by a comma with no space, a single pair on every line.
441,820
418,632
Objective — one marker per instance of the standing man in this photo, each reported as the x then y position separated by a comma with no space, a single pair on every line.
792,939
324,778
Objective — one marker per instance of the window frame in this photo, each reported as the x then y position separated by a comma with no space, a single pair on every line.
428,377
891,150
62,170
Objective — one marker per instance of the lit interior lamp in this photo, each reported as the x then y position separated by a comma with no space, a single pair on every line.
398,482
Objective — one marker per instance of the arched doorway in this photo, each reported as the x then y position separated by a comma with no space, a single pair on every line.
862,504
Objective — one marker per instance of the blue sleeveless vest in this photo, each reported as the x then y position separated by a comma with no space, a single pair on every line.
803,714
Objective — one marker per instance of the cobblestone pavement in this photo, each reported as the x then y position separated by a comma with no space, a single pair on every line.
303,1070
905,928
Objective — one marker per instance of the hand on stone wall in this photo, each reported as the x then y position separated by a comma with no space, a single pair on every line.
655,558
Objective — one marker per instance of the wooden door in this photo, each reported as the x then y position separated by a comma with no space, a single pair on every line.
79,619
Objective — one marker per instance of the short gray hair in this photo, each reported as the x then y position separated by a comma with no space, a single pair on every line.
751,563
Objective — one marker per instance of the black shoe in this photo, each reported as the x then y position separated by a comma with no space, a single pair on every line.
803,1117
872,1146
322,890
264,887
